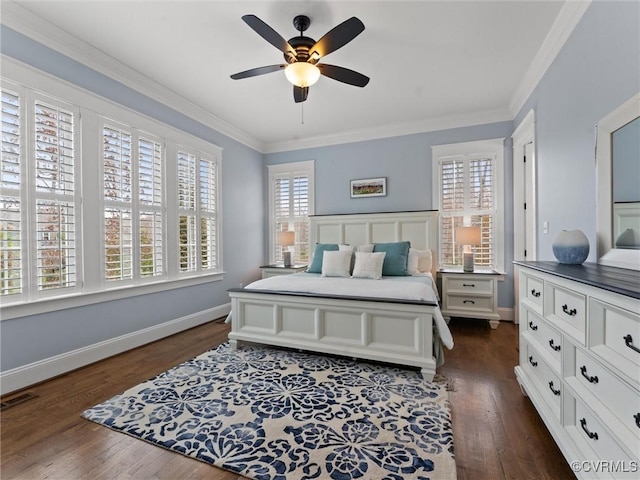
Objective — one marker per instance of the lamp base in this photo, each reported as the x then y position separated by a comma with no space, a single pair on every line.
286,256
467,262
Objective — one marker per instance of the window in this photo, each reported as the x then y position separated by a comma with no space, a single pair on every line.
38,190
290,204
468,191
133,203
197,204
136,210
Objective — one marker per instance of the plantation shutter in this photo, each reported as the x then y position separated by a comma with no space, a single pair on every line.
150,199
187,211
291,201
118,222
11,191
467,194
208,214
55,196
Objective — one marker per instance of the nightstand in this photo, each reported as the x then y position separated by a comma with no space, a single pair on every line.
471,294
274,270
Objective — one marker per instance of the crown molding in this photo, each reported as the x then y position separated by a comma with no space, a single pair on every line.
569,16
27,23
396,130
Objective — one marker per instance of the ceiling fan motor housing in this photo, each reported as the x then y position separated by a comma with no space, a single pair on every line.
301,45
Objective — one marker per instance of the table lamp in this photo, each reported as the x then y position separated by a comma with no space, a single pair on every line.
467,236
286,240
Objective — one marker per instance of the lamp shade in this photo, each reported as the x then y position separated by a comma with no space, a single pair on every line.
468,236
302,74
286,239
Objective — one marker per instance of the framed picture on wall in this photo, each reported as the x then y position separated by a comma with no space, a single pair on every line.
369,187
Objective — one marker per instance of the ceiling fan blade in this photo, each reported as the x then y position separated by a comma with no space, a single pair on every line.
257,71
343,75
269,34
338,37
300,94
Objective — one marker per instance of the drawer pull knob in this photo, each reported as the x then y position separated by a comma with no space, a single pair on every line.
555,392
555,348
535,293
469,301
535,364
628,341
591,435
637,417
592,379
532,326
566,310
468,284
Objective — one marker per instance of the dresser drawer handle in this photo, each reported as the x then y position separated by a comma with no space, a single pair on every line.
535,293
583,371
535,364
628,341
469,301
532,326
583,424
637,417
556,348
566,310
468,284
555,392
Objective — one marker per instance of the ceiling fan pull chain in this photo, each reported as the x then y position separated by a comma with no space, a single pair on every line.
302,113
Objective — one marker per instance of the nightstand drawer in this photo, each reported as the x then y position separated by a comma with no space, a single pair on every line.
470,285
467,302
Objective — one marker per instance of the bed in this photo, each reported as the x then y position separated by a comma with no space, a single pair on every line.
361,324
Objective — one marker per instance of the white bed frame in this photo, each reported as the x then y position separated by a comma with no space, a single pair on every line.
384,330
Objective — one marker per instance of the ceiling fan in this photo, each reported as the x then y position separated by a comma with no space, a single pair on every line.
302,54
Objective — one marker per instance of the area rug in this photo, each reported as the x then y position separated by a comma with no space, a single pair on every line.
267,413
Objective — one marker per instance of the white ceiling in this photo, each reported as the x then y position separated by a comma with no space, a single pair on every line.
432,64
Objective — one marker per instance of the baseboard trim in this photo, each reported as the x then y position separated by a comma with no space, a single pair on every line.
23,376
506,314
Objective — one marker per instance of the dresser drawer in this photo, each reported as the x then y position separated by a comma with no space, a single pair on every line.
534,292
596,441
480,286
614,336
566,310
545,379
548,339
618,397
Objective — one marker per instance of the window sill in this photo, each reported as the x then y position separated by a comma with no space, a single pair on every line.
45,305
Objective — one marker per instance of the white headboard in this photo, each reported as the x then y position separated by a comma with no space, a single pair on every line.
420,228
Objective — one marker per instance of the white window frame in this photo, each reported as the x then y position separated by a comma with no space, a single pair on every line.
288,170
493,148
92,288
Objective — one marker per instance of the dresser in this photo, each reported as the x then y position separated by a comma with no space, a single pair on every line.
580,362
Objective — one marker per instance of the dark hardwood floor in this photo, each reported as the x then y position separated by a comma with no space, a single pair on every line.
497,432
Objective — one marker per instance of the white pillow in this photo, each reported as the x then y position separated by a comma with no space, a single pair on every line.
369,265
336,264
420,261
359,248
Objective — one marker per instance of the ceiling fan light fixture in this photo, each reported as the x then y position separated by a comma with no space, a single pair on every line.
302,74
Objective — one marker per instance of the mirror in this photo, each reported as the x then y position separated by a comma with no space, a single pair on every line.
618,186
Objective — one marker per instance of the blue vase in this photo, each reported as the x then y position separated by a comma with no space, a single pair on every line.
571,247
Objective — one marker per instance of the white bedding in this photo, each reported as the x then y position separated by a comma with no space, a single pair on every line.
420,288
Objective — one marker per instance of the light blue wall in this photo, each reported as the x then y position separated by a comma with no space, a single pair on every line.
29,339
597,70
406,162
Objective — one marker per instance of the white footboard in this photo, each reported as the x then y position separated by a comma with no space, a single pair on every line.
399,333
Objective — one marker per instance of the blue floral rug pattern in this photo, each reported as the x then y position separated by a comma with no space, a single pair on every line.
267,413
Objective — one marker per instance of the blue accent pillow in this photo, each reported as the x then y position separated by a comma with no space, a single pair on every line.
396,258
316,263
